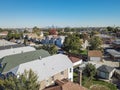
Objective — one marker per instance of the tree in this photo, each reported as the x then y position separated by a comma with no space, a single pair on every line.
93,33
90,70
51,48
85,36
26,81
67,29
1,29
72,44
95,43
52,32
26,31
14,34
36,30
9,35
110,29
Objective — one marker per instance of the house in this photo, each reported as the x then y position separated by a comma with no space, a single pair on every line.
116,44
95,55
48,69
3,34
105,38
53,39
9,62
33,35
65,85
105,72
14,49
115,55
5,43
58,42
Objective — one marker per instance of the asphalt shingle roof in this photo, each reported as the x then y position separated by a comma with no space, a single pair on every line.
94,53
11,46
105,68
113,52
17,59
45,67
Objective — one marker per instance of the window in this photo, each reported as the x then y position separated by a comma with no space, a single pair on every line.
70,70
62,72
70,79
1,65
52,78
47,83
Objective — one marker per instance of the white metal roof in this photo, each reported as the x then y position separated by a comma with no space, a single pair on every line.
46,67
12,51
113,52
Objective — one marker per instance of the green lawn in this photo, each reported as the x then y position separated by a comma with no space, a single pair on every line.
83,52
88,83
109,85
99,87
98,84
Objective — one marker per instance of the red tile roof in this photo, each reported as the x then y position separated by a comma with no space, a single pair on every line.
4,33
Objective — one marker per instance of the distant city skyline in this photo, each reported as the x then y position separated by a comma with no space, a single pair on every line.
61,13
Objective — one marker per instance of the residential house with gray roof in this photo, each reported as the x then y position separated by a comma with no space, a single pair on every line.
115,55
105,72
48,68
9,62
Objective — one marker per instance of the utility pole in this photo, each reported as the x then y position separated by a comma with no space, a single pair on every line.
80,77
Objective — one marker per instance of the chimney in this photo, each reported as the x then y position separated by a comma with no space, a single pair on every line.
80,77
40,57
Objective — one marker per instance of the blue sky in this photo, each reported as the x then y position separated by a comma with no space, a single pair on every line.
73,13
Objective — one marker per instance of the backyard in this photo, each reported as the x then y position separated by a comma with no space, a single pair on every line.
95,84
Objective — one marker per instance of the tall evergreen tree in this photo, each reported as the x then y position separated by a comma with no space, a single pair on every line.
26,81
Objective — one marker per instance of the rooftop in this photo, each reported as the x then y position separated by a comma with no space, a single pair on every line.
5,43
3,33
113,52
9,45
45,67
94,53
105,68
74,59
117,42
18,49
17,59
65,85
103,36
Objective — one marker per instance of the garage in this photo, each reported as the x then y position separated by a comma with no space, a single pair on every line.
95,58
95,55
